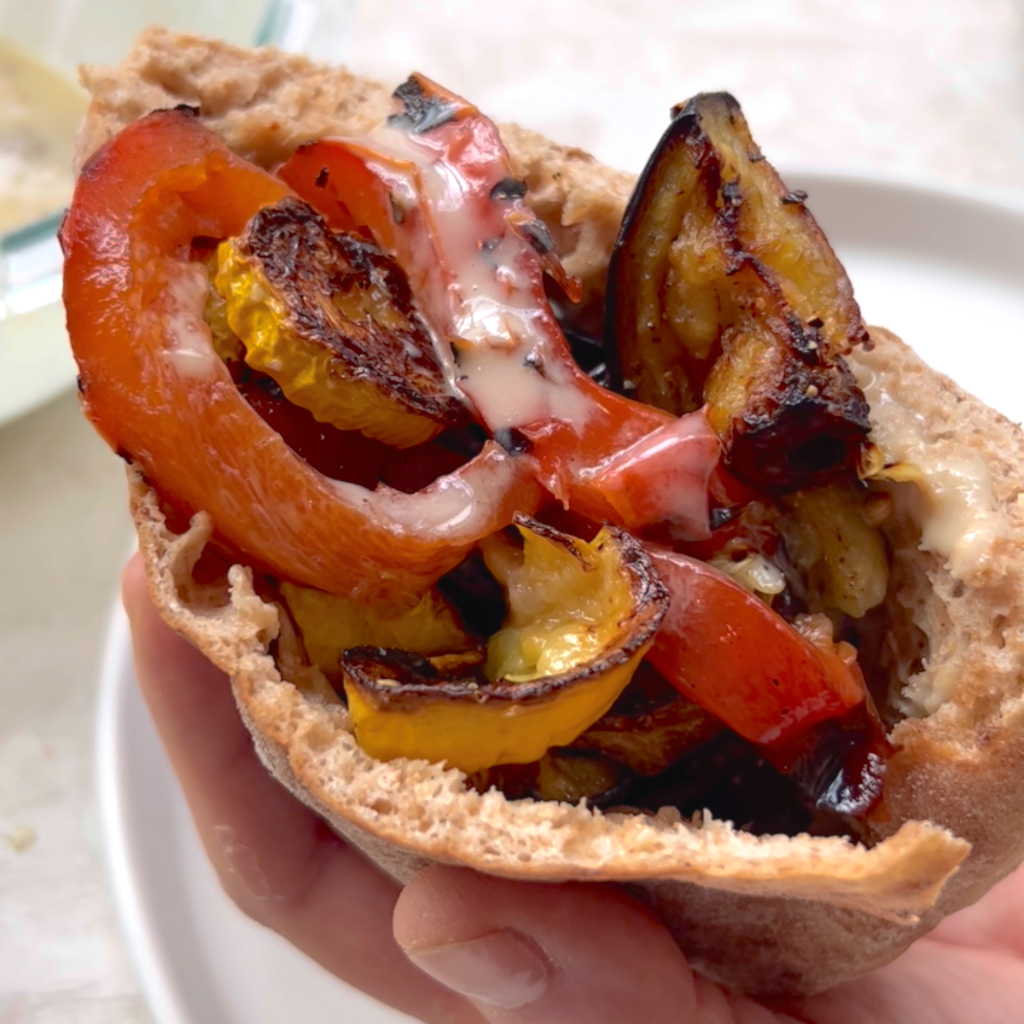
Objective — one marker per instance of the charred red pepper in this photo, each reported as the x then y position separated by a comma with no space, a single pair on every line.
155,389
726,650
436,188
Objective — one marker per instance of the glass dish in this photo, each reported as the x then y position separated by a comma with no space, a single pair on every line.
35,359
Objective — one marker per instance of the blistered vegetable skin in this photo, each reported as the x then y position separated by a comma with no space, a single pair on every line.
158,393
330,318
723,289
404,706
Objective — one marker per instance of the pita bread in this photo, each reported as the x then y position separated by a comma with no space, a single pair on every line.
775,916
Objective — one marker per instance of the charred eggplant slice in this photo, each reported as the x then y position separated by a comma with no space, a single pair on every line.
330,317
723,289
649,742
784,422
581,617
840,555
562,774
646,731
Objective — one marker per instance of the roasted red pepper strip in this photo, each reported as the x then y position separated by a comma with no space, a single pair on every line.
347,454
157,392
726,650
436,189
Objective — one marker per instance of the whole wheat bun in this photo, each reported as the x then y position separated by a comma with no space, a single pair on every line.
774,916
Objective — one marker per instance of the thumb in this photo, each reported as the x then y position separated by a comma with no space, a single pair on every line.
548,954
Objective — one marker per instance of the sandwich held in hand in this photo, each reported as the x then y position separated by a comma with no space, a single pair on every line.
549,523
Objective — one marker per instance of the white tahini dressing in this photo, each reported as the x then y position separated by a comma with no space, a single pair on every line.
502,361
453,506
963,521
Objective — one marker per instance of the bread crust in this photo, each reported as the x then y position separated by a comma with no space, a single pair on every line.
807,912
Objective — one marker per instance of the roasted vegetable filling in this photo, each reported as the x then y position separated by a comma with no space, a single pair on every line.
723,290
642,585
581,617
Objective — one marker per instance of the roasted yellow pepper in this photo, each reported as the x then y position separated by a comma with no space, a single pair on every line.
581,617
330,625
329,318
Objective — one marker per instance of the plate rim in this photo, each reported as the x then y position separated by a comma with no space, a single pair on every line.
120,852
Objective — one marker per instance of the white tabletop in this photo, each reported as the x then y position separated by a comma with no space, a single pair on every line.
926,90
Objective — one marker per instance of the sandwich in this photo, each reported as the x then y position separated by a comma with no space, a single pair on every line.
552,523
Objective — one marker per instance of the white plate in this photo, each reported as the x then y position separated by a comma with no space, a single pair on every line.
942,269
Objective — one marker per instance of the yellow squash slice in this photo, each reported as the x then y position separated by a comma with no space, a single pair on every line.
330,317
330,625
581,617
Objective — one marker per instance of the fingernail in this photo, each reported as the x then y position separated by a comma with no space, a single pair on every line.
503,969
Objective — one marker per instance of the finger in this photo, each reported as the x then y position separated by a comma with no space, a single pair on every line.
276,859
545,954
996,920
931,982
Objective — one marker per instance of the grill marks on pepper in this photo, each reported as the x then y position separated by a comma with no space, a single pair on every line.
421,112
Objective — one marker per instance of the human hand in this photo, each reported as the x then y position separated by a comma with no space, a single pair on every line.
463,948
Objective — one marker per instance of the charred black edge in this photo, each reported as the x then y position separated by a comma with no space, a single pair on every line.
422,112
825,453
508,188
538,235
514,441
270,387
839,380
650,601
365,257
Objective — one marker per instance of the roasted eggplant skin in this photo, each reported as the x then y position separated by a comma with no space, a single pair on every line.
723,290
785,424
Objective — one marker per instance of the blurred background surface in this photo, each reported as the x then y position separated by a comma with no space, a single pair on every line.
926,91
